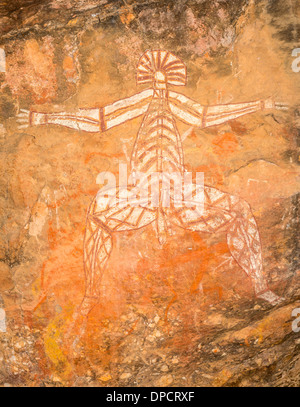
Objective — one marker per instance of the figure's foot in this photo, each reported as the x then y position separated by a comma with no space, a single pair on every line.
88,303
79,320
75,329
270,297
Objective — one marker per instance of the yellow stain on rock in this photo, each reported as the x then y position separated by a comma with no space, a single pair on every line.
72,22
53,348
274,326
222,378
126,18
106,377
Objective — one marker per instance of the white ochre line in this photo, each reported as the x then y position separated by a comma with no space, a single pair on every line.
232,108
126,116
133,100
221,119
185,116
186,101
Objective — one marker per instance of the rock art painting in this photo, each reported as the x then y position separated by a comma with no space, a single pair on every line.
158,149
150,235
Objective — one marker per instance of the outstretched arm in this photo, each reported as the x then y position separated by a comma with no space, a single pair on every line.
198,115
92,120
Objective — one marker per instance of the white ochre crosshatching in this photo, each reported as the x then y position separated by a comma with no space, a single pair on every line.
2,61
158,150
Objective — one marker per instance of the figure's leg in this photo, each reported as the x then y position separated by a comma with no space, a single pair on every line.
223,211
245,246
97,249
102,221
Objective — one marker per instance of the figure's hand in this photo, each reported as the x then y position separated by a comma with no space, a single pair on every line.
23,119
271,297
271,104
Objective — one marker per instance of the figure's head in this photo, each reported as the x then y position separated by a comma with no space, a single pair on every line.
161,68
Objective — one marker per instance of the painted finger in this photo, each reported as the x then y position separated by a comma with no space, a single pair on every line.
281,104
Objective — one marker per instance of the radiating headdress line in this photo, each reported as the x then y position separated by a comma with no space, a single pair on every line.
173,69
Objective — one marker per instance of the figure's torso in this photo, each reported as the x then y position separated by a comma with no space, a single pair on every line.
158,146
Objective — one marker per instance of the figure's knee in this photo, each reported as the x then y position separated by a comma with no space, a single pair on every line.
104,200
95,224
242,208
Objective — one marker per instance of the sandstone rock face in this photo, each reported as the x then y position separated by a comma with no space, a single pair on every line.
181,313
